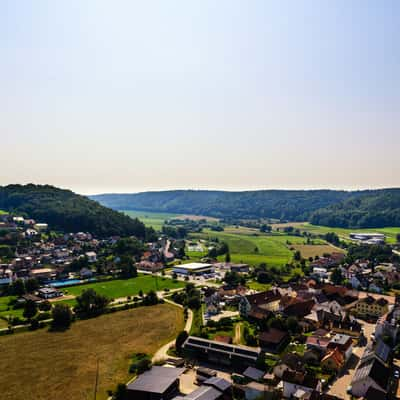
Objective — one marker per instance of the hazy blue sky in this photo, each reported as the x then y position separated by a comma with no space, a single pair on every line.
124,96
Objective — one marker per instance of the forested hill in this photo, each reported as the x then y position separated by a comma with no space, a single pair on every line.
379,207
373,209
67,211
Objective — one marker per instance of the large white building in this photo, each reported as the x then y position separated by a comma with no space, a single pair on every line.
194,269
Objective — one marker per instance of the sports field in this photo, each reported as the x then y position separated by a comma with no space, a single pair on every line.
44,365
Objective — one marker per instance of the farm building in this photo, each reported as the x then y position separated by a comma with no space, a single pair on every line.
238,357
159,383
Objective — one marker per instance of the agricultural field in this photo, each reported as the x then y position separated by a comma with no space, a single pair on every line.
308,250
250,246
152,219
126,287
41,364
156,220
343,233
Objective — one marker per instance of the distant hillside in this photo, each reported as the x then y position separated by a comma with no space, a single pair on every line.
67,211
318,206
374,209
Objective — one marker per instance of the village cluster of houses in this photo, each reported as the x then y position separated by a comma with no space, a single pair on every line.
330,318
48,259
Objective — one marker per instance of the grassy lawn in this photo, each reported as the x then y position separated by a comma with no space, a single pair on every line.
126,287
260,287
43,365
6,311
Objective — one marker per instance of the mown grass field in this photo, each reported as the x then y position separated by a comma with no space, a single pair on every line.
44,365
343,233
126,287
246,247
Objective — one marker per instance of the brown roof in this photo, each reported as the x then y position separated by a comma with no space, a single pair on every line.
299,309
264,297
336,355
300,379
273,336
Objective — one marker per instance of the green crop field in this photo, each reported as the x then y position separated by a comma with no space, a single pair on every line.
272,249
126,287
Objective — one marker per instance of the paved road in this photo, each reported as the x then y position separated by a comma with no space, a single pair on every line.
162,352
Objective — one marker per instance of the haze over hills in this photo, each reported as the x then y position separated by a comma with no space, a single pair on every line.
338,208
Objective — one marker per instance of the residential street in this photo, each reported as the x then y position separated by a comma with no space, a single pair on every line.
339,387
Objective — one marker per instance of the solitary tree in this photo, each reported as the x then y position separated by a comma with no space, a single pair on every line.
62,316
180,339
30,309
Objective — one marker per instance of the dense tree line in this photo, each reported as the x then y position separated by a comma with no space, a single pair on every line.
368,208
66,211
373,209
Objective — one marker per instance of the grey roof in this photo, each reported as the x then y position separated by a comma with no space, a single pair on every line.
218,383
253,373
251,353
375,370
204,393
340,339
383,351
156,380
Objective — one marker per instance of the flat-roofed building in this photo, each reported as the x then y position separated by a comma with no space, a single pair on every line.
238,357
194,269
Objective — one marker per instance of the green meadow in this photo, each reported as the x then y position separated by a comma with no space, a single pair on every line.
254,248
151,219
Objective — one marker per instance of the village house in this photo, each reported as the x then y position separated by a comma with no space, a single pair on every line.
49,293
91,256
333,360
289,362
273,340
369,307
344,343
295,382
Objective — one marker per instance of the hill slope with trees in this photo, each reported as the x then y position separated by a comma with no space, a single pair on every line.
357,209
67,211
374,209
